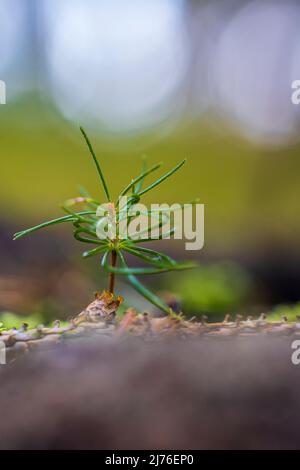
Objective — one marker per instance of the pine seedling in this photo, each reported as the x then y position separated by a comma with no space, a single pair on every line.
89,225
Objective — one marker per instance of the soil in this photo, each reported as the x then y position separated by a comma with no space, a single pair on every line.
230,393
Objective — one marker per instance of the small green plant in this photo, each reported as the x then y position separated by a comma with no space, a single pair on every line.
112,249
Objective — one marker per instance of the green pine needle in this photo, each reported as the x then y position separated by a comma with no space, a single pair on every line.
96,163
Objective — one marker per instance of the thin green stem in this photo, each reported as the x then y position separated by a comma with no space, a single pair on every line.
138,179
162,178
96,163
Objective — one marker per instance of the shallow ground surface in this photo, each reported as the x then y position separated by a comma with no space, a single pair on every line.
113,393
100,319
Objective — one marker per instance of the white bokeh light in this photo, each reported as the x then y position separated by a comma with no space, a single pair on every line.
117,65
295,66
251,78
12,44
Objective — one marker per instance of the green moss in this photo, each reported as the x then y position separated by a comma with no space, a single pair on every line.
290,311
10,320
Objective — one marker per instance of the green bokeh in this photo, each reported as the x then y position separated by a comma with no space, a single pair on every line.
213,289
250,194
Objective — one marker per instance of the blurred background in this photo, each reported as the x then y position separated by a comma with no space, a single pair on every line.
206,80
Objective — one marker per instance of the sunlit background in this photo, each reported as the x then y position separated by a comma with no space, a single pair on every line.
206,80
